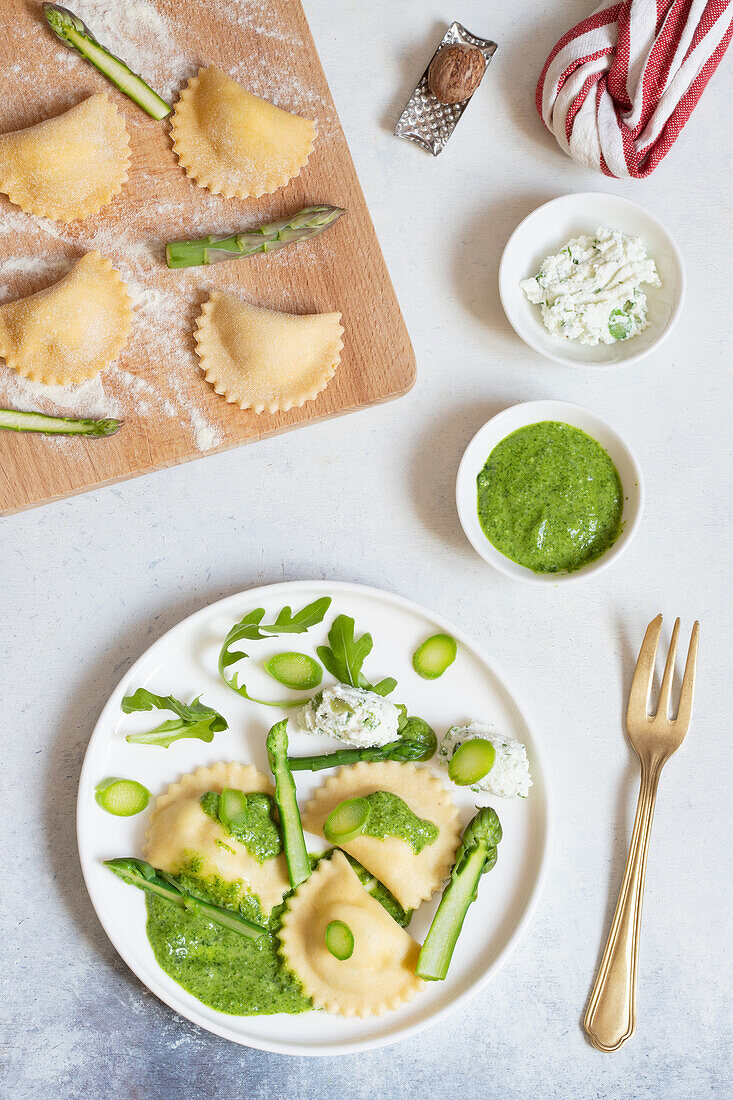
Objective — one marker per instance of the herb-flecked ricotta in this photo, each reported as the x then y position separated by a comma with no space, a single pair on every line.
353,715
590,291
509,775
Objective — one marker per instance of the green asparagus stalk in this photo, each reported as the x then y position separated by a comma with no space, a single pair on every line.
299,867
136,872
13,421
417,741
475,856
303,226
72,32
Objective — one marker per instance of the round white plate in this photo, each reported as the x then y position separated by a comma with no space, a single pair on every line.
519,416
545,231
183,663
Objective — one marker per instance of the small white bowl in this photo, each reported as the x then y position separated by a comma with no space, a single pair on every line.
545,231
519,416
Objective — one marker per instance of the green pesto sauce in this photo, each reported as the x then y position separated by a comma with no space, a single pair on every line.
550,498
230,973
259,833
389,815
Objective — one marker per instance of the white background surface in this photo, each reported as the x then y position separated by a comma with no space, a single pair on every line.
88,583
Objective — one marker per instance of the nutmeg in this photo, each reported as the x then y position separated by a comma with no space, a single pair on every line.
455,73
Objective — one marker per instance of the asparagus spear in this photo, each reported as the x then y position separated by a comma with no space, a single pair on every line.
417,741
137,872
14,421
72,32
287,804
303,226
475,856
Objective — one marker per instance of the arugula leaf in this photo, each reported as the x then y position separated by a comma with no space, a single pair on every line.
308,616
194,719
248,627
251,628
385,686
345,655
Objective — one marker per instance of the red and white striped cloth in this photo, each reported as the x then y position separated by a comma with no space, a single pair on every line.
618,88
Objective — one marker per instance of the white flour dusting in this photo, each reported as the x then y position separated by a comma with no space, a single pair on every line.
157,204
85,400
134,31
30,266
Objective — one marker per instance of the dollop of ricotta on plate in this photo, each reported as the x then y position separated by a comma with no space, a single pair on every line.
591,290
509,776
353,715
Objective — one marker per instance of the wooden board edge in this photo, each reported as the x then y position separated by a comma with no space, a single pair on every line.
222,449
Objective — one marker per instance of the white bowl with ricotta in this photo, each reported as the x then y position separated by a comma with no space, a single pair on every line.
546,232
534,412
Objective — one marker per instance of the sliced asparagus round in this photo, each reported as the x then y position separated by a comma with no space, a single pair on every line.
339,940
122,797
13,421
303,226
472,761
73,33
432,658
295,670
347,820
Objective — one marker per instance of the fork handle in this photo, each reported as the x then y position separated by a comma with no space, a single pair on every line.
611,1015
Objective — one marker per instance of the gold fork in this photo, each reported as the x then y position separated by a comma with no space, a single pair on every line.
611,1016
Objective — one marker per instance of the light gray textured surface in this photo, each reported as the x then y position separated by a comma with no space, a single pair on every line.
87,584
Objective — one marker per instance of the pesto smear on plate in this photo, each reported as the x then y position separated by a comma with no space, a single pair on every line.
231,973
550,498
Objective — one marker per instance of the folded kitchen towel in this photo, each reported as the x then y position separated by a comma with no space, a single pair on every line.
618,88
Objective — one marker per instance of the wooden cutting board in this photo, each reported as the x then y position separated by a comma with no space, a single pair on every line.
170,412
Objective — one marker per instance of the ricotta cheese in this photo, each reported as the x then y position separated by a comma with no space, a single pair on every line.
591,290
509,775
353,715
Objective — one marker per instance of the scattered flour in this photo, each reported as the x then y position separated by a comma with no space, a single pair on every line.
85,400
205,435
136,32
21,267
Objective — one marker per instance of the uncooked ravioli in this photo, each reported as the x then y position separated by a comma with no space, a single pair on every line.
260,359
181,832
70,166
70,331
233,142
379,975
411,876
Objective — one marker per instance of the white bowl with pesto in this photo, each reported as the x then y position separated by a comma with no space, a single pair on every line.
546,231
521,416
